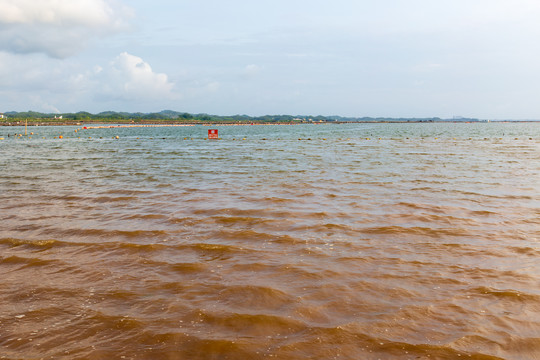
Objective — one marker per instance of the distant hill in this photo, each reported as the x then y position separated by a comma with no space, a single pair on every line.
177,116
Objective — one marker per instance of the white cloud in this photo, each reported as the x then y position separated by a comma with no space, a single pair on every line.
129,77
58,28
42,83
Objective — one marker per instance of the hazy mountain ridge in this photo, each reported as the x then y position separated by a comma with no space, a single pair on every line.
186,117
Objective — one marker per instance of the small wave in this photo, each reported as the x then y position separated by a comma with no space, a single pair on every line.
263,213
179,345
483,213
47,294
417,230
242,235
30,244
529,251
331,228
240,220
108,199
104,233
462,248
145,217
424,207
122,323
507,294
186,221
287,240
215,249
129,192
65,198
188,267
255,297
351,342
278,200
26,262
255,324
469,195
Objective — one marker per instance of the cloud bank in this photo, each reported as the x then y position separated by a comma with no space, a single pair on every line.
42,83
129,77
57,28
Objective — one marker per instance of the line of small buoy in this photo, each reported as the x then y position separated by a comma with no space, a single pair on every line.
134,126
29,136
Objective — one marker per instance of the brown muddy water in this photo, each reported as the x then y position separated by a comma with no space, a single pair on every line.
364,241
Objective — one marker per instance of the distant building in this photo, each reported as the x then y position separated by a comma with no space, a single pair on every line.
1,116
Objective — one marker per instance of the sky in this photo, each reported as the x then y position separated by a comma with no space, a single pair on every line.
389,58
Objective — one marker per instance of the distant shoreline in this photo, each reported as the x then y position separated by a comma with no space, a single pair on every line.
176,123
171,117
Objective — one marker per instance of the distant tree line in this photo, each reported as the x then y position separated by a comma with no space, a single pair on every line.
184,117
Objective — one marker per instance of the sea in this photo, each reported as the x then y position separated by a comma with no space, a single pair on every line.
313,241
